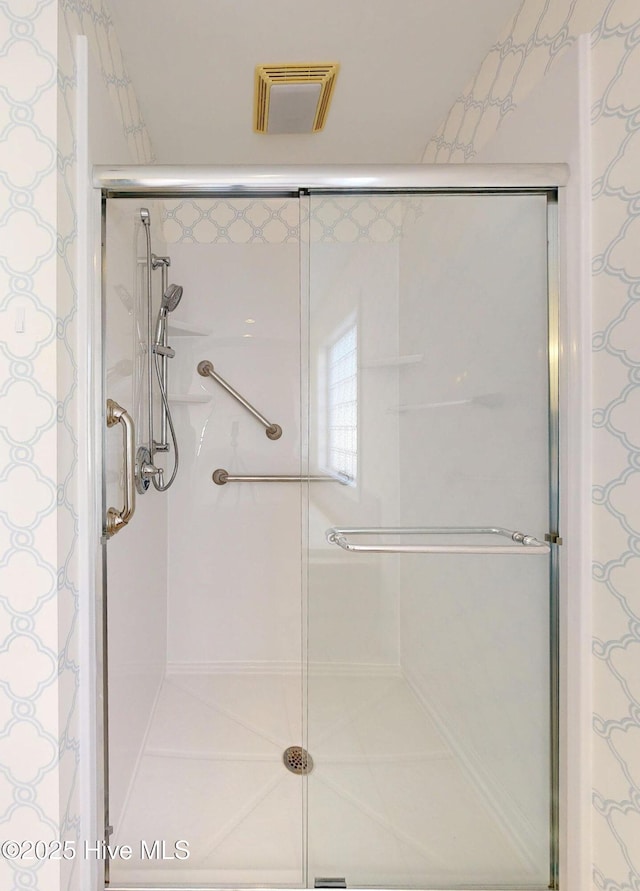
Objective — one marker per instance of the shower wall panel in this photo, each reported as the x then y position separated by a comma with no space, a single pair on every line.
353,604
474,630
136,563
235,551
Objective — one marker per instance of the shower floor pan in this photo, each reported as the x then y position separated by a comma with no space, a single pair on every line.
388,802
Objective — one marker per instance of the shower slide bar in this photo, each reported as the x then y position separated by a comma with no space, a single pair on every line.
205,369
526,545
222,477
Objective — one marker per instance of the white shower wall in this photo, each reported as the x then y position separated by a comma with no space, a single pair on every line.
235,560
234,556
136,594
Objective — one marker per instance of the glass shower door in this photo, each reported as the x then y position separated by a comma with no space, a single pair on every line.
203,594
429,632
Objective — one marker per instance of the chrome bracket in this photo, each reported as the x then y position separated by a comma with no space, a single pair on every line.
145,470
157,261
553,538
330,882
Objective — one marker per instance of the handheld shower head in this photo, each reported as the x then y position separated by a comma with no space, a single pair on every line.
171,298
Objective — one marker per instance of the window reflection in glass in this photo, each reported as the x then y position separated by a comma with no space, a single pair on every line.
342,404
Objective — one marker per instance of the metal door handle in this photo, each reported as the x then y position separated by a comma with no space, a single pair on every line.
525,544
221,477
117,519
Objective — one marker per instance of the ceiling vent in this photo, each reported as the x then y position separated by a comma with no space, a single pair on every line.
293,98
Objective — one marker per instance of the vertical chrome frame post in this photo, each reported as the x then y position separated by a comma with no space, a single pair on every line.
104,629
304,222
554,527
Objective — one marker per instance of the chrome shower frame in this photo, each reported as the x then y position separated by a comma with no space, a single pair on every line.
545,179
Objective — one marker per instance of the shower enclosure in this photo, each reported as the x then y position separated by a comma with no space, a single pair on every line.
330,649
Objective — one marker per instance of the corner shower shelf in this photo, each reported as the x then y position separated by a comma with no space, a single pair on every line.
419,406
393,361
487,400
189,397
184,329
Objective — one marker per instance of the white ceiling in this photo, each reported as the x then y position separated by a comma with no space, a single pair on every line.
403,62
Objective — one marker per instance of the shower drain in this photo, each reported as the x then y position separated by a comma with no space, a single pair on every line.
297,760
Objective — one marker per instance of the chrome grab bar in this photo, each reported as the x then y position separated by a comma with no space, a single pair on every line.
118,519
527,544
222,477
206,369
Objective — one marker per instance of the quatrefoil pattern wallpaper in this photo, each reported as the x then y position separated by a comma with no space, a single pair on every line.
31,412
347,220
39,434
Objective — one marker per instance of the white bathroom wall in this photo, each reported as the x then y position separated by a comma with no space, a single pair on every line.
136,557
235,559
234,551
136,642
473,446
102,126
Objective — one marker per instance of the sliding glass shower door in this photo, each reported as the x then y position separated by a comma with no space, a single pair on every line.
430,591
331,653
